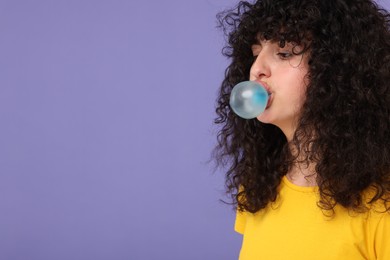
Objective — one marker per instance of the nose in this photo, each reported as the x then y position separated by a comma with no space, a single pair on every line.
260,68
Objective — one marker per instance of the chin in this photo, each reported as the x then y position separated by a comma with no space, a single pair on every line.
265,117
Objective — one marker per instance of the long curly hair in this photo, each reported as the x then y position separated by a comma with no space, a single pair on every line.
347,102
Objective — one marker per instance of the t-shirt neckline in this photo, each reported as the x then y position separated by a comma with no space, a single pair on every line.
295,187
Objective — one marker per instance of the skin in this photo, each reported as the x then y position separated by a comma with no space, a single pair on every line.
283,74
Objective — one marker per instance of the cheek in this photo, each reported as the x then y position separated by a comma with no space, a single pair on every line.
301,76
297,89
303,84
251,74
302,97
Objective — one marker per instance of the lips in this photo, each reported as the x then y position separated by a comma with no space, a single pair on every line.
267,88
265,85
269,100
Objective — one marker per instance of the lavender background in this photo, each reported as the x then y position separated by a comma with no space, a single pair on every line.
106,111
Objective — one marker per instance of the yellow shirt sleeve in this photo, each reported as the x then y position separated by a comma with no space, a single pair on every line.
382,237
240,223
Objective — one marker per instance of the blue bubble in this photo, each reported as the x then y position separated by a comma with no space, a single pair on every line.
248,99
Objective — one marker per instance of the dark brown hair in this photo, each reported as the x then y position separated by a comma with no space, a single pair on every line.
347,102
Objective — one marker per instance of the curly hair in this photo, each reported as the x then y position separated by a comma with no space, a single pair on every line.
347,102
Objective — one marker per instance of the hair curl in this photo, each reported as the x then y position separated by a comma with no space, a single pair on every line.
347,102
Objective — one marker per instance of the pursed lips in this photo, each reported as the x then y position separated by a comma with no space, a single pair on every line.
267,88
265,85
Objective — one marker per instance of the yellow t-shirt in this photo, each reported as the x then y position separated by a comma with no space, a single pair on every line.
295,228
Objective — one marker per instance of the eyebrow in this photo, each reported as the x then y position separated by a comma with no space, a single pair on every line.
255,47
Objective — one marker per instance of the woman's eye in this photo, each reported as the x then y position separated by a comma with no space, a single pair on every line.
284,55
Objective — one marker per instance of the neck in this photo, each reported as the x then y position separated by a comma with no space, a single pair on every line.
302,174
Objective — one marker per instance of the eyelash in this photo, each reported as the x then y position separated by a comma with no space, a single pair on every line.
284,55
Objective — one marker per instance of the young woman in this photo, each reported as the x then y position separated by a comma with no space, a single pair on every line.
310,176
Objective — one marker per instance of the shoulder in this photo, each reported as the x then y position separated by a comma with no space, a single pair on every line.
378,230
377,205
239,225
378,223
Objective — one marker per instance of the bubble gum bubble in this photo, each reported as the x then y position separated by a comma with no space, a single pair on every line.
248,99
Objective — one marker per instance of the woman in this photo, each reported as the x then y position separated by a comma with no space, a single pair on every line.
310,176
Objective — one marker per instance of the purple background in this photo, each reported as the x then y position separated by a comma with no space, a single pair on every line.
106,111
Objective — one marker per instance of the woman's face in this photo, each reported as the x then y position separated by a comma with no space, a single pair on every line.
283,75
